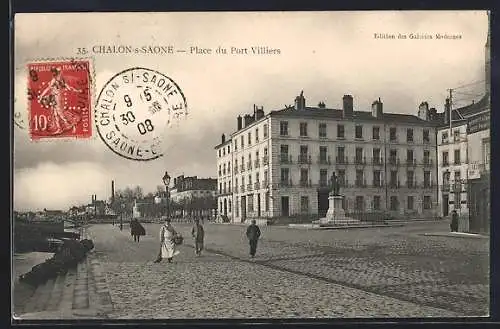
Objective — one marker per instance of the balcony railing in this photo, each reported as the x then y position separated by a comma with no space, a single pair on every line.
427,162
360,183
394,161
377,161
286,183
341,160
323,160
305,183
360,160
304,158
265,160
285,158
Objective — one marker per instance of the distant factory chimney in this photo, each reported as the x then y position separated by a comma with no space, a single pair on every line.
112,192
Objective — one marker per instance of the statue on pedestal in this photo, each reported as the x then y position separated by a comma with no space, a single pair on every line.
334,185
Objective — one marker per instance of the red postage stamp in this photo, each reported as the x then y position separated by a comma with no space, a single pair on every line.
59,95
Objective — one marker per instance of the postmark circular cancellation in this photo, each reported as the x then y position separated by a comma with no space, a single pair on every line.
133,109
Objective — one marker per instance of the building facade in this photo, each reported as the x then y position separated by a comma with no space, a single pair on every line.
282,161
193,196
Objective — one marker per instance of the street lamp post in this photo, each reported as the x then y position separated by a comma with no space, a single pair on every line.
166,181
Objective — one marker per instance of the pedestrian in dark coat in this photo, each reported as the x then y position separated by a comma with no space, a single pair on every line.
136,229
253,235
198,234
454,221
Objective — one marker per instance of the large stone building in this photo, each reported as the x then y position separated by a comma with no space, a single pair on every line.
280,163
193,196
464,158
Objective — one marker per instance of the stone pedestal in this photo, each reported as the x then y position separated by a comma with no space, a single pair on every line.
336,214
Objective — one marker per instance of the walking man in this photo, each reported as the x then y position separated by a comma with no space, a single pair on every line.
253,235
198,234
454,221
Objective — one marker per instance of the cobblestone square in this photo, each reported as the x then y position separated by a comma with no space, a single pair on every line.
390,272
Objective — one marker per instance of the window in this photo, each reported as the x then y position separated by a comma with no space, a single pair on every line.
394,202
250,180
359,155
444,137
265,176
359,132
427,179
426,136
376,178
340,131
392,134
304,204
265,131
427,202
224,151
230,205
284,153
486,153
237,208
304,176
409,178
303,157
394,178
219,153
220,170
285,174
359,203
220,188
256,135
322,130
445,158
323,155
341,154
249,138
376,133
409,156
267,202
457,176
225,187
376,202
229,186
284,128
410,201
257,177
250,202
242,163
341,177
242,142
456,157
393,157
303,129
409,135
323,177
235,145
376,156
228,149
224,169
427,156
359,178
456,135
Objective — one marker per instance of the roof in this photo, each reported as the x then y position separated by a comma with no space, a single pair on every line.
475,108
316,112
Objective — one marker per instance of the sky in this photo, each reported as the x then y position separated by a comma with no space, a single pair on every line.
325,54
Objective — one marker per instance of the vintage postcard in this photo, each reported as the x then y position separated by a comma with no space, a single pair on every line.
229,165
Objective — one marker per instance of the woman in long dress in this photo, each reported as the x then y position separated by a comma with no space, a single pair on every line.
167,235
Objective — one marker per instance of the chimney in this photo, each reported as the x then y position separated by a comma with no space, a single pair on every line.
112,192
423,111
432,114
240,124
300,102
347,107
223,138
259,113
447,111
377,109
248,119
321,105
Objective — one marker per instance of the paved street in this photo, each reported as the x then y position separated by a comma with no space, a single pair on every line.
390,272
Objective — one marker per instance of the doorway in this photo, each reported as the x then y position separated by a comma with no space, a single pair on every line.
243,208
285,206
446,206
225,207
323,202
258,205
